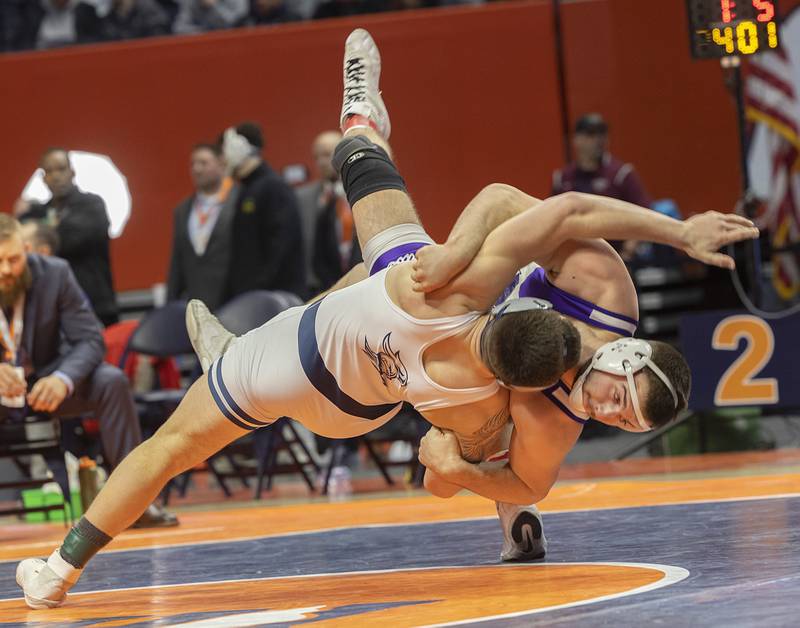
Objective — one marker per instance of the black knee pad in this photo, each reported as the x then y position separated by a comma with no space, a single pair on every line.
365,168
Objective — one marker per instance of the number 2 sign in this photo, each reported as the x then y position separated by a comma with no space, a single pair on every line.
738,385
738,359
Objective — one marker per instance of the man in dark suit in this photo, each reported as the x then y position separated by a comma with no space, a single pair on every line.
52,353
82,224
201,240
267,241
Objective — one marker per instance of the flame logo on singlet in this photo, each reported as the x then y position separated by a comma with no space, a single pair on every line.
387,361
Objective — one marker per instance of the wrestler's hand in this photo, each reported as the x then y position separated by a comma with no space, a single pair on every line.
47,394
439,451
436,264
705,234
11,384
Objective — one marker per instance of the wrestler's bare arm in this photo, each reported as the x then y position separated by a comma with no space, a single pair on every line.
537,233
435,265
541,440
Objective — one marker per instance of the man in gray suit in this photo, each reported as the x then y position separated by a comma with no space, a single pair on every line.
52,353
331,245
201,241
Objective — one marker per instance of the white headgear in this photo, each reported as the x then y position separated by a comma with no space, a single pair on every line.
497,312
235,148
624,357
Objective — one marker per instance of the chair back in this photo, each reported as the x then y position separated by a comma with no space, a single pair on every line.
162,332
252,309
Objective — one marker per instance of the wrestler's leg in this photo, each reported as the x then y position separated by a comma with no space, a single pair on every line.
373,185
195,430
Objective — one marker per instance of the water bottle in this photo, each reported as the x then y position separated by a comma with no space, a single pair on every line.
87,479
339,486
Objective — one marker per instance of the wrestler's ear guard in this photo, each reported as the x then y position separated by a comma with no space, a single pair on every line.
624,357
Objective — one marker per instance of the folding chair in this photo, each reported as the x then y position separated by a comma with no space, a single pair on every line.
38,434
240,315
160,334
252,309
268,442
244,313
412,426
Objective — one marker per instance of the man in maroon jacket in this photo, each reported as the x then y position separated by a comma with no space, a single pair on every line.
596,171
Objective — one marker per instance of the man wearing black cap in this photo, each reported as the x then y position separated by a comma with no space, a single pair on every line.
596,171
267,241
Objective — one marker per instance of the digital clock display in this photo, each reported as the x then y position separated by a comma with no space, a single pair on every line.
721,28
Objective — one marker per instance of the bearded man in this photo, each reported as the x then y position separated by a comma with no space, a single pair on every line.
51,353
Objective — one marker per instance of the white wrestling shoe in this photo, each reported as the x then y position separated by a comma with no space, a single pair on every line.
209,338
42,586
523,533
362,72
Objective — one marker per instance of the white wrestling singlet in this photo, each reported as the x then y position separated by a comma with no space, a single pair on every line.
342,366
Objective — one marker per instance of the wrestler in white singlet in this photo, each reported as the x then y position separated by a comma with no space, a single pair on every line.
344,365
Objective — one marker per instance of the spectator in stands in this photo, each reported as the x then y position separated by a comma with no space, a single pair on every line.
201,240
197,16
267,242
170,8
270,12
39,238
19,22
125,19
328,232
595,171
52,357
82,224
342,8
55,22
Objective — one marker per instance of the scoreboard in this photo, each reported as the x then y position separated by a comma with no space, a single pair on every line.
722,28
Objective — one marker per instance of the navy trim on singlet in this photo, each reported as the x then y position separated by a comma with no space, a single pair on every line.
322,379
548,392
231,403
222,407
395,254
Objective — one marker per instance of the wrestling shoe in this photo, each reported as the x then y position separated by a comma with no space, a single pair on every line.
209,338
523,533
42,586
362,72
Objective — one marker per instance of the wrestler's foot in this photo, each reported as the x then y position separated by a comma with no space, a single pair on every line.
209,338
362,72
43,587
523,534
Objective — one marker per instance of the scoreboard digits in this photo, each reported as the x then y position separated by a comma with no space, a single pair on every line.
721,28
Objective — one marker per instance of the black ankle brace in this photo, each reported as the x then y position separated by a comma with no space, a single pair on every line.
365,168
83,542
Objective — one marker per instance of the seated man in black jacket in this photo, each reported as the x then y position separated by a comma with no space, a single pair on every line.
51,359
82,224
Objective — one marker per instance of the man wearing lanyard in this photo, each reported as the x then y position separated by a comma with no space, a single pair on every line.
51,339
201,241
